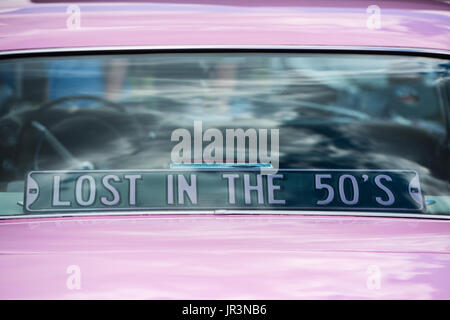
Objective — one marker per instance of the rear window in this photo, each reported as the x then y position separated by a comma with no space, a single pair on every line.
224,131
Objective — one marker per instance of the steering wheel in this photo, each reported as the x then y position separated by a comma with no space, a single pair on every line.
93,129
105,102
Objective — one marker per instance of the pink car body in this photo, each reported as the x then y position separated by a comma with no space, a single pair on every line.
408,24
299,256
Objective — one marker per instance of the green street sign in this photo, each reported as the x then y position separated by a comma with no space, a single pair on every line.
224,189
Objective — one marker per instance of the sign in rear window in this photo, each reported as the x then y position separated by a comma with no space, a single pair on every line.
296,189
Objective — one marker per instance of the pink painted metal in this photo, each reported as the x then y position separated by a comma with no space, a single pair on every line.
239,257
412,24
225,257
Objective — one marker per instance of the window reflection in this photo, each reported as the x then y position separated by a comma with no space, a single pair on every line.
333,110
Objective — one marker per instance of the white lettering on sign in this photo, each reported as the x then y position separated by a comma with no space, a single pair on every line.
132,190
258,188
344,199
271,188
321,185
231,192
79,190
189,189
388,192
56,201
116,196
93,190
169,189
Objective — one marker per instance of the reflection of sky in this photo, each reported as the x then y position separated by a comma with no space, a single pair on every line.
75,76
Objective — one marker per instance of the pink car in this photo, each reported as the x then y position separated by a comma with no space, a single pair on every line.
224,150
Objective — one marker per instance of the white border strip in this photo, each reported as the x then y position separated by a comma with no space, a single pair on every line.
248,213
94,49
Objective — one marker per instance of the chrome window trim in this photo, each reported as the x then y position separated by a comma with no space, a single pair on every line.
206,48
219,213
109,49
